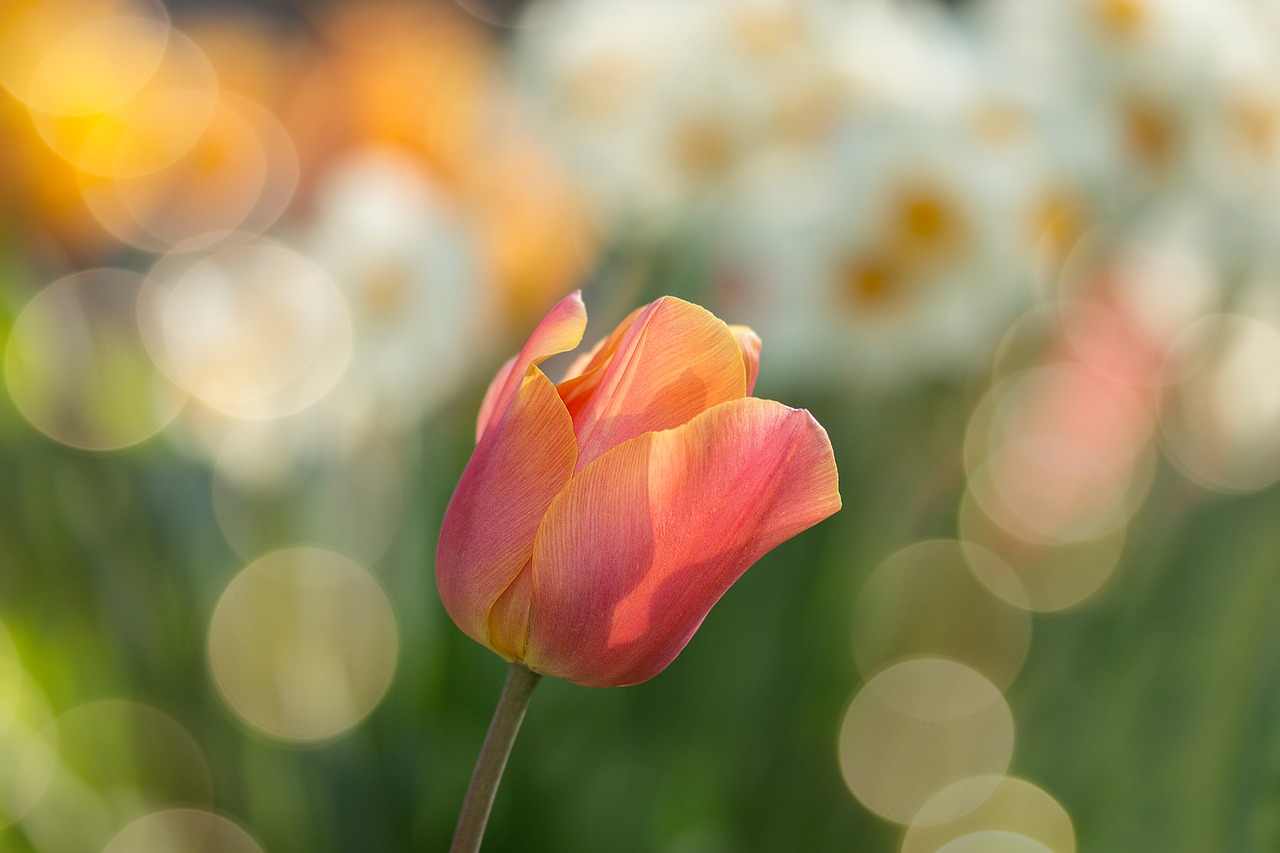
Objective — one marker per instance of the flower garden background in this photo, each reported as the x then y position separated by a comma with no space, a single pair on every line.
1021,258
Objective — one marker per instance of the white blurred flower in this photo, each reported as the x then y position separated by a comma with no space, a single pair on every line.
388,258
903,264
905,56
1160,98
664,105
407,267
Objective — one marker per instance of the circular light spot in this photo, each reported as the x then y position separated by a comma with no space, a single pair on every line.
256,331
303,644
116,760
113,744
1107,340
919,726
182,831
28,755
149,130
1013,806
270,490
98,66
1153,286
69,56
77,369
237,177
994,841
1059,453
1221,422
1051,576
925,602
1028,342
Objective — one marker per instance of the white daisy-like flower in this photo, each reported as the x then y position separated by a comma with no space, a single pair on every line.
381,312
900,266
666,107
1136,88
404,261
602,75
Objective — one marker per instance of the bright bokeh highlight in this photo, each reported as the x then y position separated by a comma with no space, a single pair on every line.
1013,805
1222,424
255,331
303,644
924,601
76,366
182,831
919,726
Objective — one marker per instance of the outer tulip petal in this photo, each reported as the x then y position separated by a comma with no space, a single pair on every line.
645,539
560,331
526,456
490,401
750,344
673,361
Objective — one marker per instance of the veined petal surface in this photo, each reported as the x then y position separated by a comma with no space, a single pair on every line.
673,361
644,540
526,455
491,394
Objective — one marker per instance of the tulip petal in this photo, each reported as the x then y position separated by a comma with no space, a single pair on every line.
750,344
526,456
490,401
560,331
671,362
598,354
633,553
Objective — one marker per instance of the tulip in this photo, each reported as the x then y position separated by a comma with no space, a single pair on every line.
599,519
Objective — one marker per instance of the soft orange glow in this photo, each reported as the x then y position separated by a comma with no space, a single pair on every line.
413,75
1121,18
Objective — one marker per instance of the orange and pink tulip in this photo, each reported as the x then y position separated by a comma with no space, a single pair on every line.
600,519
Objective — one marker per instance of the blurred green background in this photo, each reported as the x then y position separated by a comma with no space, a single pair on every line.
258,263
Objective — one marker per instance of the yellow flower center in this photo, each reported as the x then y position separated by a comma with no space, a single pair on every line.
1254,120
926,224
1151,133
596,89
1121,18
385,291
703,149
870,283
767,30
1058,219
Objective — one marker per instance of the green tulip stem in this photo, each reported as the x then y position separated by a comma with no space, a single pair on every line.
512,704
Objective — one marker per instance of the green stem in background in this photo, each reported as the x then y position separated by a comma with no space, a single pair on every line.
493,758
